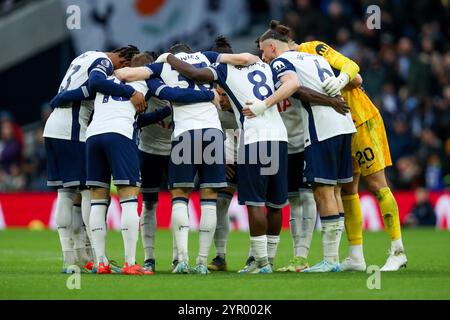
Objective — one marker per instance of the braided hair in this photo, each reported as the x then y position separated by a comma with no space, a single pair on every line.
127,52
180,47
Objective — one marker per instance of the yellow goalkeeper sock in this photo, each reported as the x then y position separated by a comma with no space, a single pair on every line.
389,212
353,219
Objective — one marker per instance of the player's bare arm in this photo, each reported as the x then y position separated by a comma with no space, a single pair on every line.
189,71
129,74
238,59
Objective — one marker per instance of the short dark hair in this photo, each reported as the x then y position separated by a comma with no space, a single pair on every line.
276,31
180,47
127,52
222,45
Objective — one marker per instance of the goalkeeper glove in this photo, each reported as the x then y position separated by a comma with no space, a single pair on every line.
333,85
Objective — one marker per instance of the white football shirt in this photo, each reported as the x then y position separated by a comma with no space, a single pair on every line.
243,84
115,114
321,122
188,116
70,123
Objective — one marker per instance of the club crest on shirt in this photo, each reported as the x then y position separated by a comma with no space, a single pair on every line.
278,65
105,63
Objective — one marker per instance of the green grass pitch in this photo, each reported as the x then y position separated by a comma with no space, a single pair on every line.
30,263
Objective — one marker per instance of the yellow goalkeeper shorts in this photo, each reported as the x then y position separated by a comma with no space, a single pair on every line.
370,147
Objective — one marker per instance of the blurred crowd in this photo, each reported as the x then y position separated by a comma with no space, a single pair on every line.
406,70
23,158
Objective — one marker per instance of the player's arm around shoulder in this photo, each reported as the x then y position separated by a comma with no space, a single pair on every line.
347,67
290,83
239,59
189,71
129,74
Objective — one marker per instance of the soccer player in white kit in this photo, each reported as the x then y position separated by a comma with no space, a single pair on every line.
197,147
262,151
65,136
327,137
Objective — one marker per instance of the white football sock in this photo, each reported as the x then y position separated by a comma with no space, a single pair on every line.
85,212
223,224
332,227
251,252
295,219
208,222
272,245
259,248
307,224
97,224
174,248
130,228
180,227
148,229
356,252
64,204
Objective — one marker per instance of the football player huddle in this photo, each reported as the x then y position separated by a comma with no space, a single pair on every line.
293,126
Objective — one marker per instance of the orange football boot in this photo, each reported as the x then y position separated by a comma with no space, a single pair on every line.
89,265
135,270
102,269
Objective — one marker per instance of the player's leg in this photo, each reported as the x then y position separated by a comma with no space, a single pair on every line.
353,224
99,229
211,173
152,169
224,198
98,179
123,158
263,184
295,166
85,213
374,157
181,174
63,216
63,174
130,228
208,221
180,227
332,225
276,196
252,189
258,238
328,163
148,231
86,209
303,213
79,232
307,226
377,184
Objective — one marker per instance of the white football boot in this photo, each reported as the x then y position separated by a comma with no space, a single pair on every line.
395,261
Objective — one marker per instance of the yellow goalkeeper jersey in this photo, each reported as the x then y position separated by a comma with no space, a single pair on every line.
361,106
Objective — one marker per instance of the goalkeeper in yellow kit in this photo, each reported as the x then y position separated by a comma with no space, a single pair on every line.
370,152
